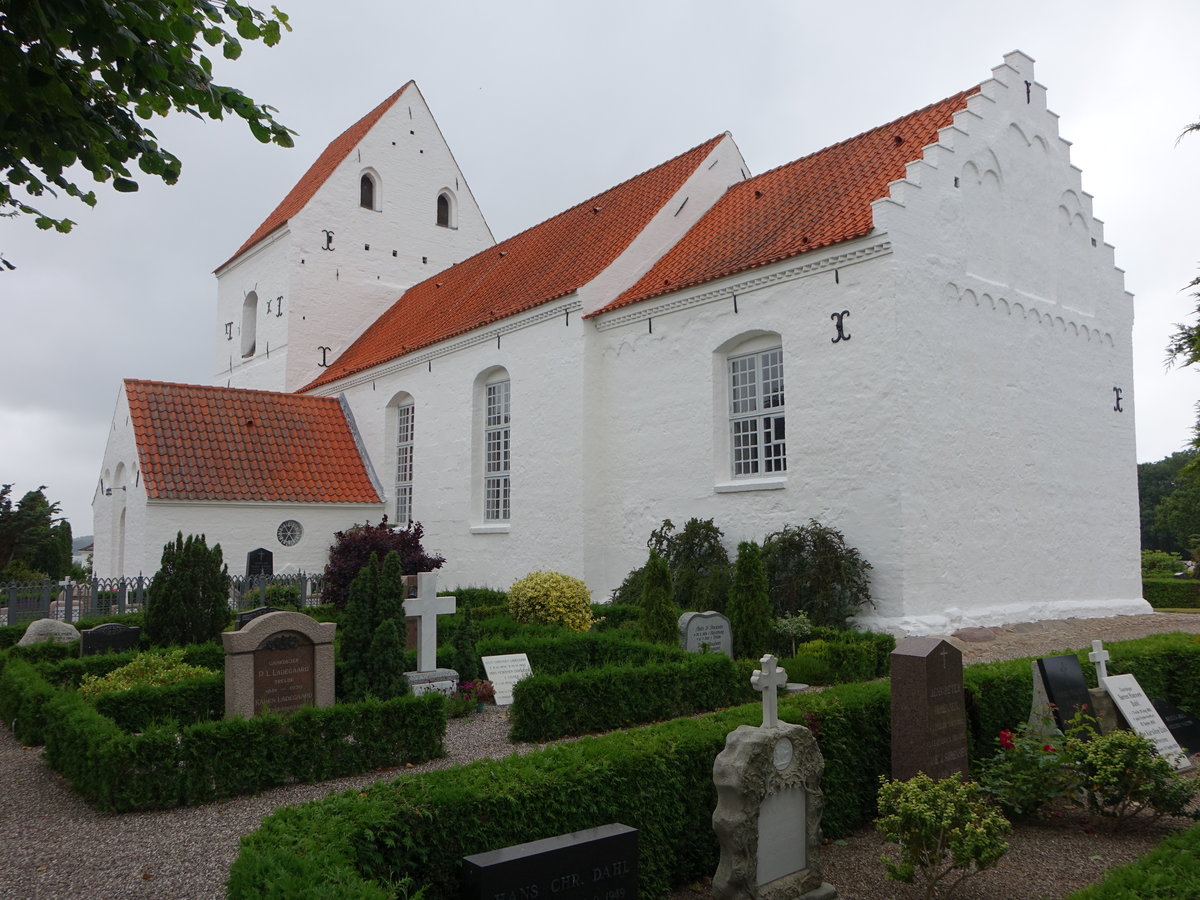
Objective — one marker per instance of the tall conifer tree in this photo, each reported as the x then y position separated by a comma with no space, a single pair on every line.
749,603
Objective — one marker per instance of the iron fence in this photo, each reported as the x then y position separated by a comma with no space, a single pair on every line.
70,601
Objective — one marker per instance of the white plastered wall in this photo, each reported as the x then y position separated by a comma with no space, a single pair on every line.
330,296
1013,328
119,505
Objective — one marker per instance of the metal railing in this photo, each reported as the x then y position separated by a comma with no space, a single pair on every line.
70,601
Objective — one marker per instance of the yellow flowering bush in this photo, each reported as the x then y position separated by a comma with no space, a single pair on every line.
146,670
551,598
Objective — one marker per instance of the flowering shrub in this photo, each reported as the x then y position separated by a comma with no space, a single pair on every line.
551,598
146,670
944,829
1121,775
485,691
1026,773
463,700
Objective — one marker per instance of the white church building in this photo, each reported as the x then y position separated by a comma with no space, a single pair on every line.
935,293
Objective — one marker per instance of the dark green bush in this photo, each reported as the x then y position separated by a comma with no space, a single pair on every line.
749,605
546,707
1172,593
479,599
659,619
189,594
10,634
573,652
197,700
812,570
614,615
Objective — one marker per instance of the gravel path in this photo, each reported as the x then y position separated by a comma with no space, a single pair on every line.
54,845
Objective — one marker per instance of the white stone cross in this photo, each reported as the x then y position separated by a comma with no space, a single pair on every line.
1099,656
767,679
425,608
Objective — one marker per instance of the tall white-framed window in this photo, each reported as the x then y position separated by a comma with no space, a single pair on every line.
757,426
405,413
497,461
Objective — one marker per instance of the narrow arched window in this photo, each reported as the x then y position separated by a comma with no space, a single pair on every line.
404,461
497,463
249,324
366,192
443,210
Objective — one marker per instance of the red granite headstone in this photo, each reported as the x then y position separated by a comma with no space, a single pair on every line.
929,719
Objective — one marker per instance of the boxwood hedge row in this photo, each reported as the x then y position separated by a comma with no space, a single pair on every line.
657,779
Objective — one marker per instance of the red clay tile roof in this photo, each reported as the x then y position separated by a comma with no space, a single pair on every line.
339,148
544,263
212,443
813,202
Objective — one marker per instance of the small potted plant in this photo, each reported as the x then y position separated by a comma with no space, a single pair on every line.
485,692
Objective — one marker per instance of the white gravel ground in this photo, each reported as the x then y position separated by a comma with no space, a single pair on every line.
54,845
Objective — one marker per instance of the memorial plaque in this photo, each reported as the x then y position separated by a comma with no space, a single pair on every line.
283,673
1139,712
584,865
111,637
700,629
260,562
1066,688
504,672
249,615
929,716
1184,728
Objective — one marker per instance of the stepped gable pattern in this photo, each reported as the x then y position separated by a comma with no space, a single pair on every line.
339,148
541,264
212,443
821,199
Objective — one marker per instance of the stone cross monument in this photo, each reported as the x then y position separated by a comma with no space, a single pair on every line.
769,801
425,608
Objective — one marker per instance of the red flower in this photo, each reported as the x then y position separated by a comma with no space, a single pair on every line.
1048,748
1006,739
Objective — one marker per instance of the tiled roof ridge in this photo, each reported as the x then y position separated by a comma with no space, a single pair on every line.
637,293
334,372
216,388
313,178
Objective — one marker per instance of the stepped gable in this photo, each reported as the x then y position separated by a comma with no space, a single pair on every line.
310,182
544,263
821,199
197,442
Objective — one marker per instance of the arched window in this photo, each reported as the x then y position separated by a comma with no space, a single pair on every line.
446,212
402,415
366,191
757,422
497,460
249,323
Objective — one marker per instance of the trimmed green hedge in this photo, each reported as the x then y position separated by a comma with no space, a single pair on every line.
1172,593
550,706
1168,872
570,651
657,779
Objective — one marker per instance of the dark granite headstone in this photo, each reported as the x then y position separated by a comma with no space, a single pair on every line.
593,863
283,673
1182,726
1066,688
260,562
929,717
111,637
249,615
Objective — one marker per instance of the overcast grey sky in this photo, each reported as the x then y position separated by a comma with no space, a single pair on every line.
546,103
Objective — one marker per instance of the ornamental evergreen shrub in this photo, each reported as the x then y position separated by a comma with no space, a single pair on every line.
812,570
697,561
189,596
551,598
372,650
352,550
749,604
660,617
466,659
146,670
385,671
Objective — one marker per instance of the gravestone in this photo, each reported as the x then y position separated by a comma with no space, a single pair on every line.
425,607
1059,692
1182,726
1139,712
260,562
504,672
48,631
110,637
278,662
593,863
929,715
700,629
249,615
769,803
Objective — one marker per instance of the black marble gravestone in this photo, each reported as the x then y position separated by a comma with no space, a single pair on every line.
595,862
260,562
1184,728
108,638
249,615
1066,688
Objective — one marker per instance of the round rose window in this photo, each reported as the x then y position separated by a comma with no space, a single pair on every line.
289,533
